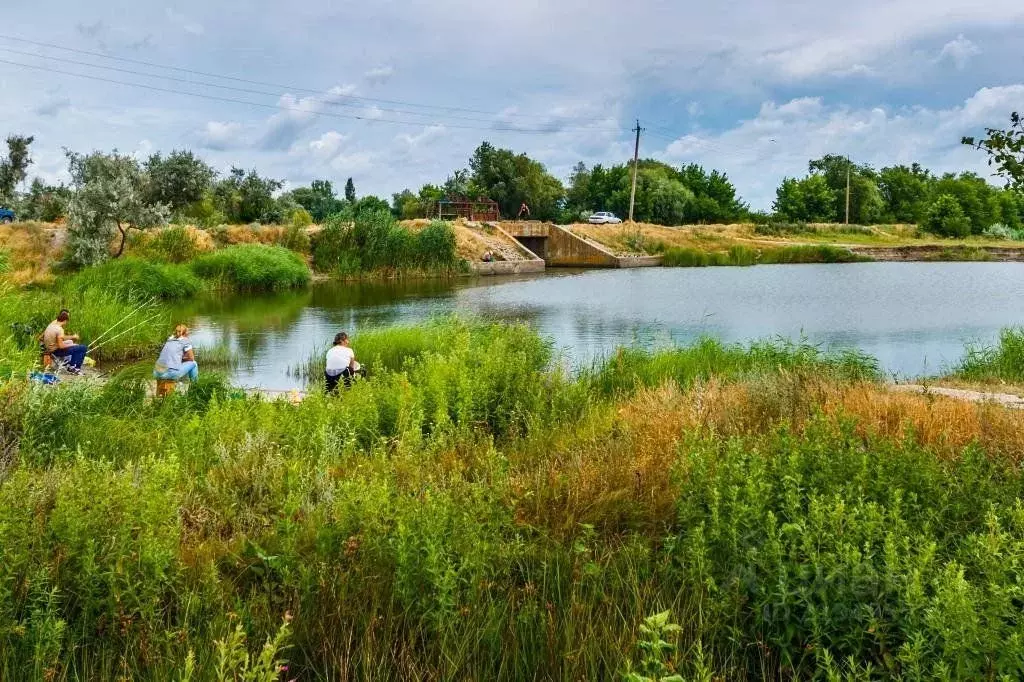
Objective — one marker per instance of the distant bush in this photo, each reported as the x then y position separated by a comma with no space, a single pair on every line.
745,255
294,238
946,218
801,253
253,267
375,241
301,218
174,245
136,279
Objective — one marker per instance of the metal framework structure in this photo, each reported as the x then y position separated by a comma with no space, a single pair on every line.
480,208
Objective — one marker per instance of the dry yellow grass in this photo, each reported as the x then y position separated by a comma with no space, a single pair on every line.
625,239
33,248
616,468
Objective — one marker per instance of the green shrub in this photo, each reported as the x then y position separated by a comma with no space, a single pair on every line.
138,280
295,238
946,218
301,218
253,267
173,245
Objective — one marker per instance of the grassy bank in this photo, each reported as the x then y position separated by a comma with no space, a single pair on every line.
473,513
785,242
746,255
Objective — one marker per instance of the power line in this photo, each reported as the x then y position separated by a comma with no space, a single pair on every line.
295,88
325,102
280,107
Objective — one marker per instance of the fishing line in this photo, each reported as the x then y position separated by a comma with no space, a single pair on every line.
117,336
121,321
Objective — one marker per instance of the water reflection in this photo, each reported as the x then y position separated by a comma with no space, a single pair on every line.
915,318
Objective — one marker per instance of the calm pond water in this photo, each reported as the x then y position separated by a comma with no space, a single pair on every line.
914,317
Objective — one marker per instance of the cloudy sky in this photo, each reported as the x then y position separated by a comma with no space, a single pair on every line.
396,93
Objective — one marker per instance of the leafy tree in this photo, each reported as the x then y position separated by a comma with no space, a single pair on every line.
47,203
371,203
14,168
1005,150
405,205
866,202
457,184
350,191
976,197
714,196
808,200
111,197
660,197
319,199
246,197
512,179
178,180
946,218
905,191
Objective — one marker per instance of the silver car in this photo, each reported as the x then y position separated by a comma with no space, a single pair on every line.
604,218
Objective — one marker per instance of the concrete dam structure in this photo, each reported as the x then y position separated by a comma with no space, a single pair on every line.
560,248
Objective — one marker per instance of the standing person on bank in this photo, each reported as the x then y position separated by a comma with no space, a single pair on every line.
62,345
341,364
177,360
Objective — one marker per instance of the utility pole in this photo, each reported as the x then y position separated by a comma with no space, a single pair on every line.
847,190
636,162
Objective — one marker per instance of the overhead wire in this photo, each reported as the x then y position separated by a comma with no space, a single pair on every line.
280,107
236,79
319,100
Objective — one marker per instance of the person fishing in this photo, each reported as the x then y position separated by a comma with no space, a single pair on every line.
177,359
59,344
341,364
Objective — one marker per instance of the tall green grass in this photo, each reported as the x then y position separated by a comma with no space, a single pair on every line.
375,242
1001,362
630,368
137,280
94,312
253,267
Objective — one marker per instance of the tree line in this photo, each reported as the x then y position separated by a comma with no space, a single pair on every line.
112,193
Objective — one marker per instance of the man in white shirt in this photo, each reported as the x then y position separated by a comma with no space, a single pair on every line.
341,363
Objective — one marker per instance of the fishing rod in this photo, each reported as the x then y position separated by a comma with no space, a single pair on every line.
121,321
117,336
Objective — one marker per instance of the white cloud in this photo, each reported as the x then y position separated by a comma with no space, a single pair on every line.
298,114
328,145
222,136
379,75
782,138
959,51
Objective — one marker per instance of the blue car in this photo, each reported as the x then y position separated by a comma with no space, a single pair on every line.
6,216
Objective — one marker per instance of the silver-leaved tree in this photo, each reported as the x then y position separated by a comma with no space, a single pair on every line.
109,200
